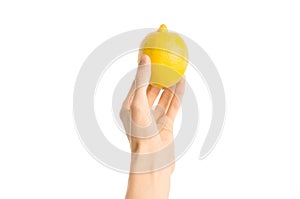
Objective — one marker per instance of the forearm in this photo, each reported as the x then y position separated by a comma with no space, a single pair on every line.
155,185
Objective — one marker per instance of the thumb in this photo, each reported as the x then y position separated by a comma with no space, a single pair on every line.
140,101
143,73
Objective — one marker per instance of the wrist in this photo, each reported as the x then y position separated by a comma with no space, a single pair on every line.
158,161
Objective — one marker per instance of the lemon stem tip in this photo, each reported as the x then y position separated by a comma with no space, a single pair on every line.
163,28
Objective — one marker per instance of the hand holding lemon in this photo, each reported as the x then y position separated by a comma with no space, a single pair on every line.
168,54
150,129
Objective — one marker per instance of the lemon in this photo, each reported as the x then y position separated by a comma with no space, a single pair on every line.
168,54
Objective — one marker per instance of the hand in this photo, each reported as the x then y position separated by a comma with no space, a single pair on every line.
150,130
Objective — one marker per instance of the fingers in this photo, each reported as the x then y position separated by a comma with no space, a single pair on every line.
176,100
142,95
166,98
152,93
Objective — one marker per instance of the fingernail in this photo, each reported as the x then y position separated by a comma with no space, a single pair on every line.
143,59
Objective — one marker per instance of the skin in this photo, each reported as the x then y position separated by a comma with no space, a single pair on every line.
154,183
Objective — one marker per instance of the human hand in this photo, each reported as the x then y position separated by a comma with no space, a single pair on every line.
150,130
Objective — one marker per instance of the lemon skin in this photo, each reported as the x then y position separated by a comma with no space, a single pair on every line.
169,57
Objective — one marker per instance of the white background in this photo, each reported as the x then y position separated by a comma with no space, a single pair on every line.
254,44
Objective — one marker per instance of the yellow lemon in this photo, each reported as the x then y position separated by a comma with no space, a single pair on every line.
168,54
